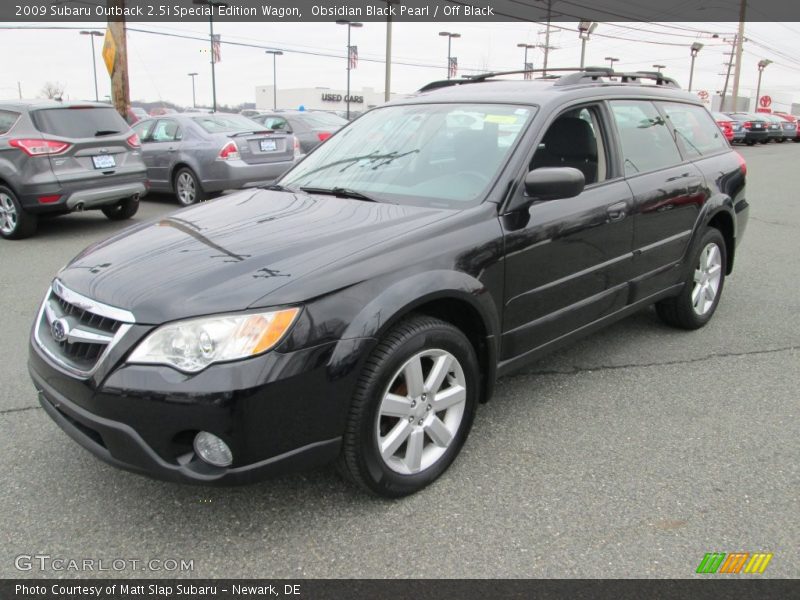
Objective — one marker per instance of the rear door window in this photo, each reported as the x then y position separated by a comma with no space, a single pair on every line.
695,129
7,120
79,122
647,143
166,130
143,130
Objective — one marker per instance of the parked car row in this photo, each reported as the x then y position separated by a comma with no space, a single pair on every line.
752,128
58,157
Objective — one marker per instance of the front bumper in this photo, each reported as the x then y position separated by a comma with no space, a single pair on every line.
277,412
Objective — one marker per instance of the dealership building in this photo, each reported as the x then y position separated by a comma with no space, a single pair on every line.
320,98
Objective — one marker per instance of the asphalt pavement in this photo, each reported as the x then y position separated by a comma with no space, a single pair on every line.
632,453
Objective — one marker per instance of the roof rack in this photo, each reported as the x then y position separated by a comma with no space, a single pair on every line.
574,76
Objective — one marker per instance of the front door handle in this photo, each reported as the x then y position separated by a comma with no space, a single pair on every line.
618,211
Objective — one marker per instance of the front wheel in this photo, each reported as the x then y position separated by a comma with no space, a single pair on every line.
698,300
413,408
124,209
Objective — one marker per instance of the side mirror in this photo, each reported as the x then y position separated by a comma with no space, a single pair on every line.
548,183
554,183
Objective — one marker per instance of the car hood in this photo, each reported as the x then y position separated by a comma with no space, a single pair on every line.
233,252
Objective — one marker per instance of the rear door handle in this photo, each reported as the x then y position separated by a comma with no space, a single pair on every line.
618,211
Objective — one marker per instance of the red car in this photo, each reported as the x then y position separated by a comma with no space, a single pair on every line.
725,124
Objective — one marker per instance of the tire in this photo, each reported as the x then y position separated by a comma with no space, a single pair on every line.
124,209
15,222
781,140
383,413
765,141
187,187
707,277
750,142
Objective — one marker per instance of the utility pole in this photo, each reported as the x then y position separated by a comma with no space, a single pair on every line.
120,88
739,42
194,97
387,84
19,88
547,37
728,76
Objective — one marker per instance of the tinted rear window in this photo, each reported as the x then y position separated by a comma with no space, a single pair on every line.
79,122
226,123
7,120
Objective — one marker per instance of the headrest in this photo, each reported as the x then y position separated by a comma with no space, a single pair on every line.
571,137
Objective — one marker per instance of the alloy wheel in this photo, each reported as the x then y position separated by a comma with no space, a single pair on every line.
707,277
8,214
187,191
421,411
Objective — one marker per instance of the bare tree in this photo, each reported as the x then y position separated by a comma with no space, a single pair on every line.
53,90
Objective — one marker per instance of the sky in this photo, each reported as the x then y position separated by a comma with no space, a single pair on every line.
159,64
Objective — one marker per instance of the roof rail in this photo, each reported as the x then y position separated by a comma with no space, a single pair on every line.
574,76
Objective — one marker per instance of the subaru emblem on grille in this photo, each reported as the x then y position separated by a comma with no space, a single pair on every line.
60,330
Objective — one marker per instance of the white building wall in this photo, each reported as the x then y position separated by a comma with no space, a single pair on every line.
319,98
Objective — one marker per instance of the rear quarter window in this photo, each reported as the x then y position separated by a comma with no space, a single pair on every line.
695,129
79,122
647,143
7,120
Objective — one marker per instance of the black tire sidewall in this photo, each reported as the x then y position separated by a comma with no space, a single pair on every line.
711,235
26,222
199,195
378,476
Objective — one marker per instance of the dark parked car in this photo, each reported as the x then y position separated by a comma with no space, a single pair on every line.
787,129
58,157
753,127
791,126
360,309
310,127
196,155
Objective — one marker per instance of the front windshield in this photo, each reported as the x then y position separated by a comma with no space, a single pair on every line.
438,155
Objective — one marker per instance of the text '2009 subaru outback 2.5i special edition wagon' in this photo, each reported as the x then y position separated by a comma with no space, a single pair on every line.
359,310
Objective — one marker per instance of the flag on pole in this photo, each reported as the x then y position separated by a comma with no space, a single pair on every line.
528,69
453,67
352,56
216,48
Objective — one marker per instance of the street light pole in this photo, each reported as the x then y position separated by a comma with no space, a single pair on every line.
585,29
387,86
350,25
449,37
762,64
212,4
194,98
93,34
611,60
696,47
275,55
739,50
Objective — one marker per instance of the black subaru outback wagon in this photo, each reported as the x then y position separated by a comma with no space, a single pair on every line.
360,310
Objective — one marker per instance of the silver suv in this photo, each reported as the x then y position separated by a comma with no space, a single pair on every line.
58,157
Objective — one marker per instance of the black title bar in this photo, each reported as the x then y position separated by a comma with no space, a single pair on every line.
401,10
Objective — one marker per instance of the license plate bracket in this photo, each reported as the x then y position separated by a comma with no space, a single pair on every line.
104,161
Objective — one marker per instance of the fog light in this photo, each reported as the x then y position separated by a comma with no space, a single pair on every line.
212,449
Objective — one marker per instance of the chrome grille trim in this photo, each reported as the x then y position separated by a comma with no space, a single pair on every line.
122,321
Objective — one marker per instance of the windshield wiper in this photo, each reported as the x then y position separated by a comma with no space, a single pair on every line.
339,192
103,132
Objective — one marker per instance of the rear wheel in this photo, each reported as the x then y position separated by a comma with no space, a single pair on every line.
413,408
187,187
750,142
15,222
698,300
124,209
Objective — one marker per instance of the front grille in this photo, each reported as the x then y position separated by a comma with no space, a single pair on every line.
77,331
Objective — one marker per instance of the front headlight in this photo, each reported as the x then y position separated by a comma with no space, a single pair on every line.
194,344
